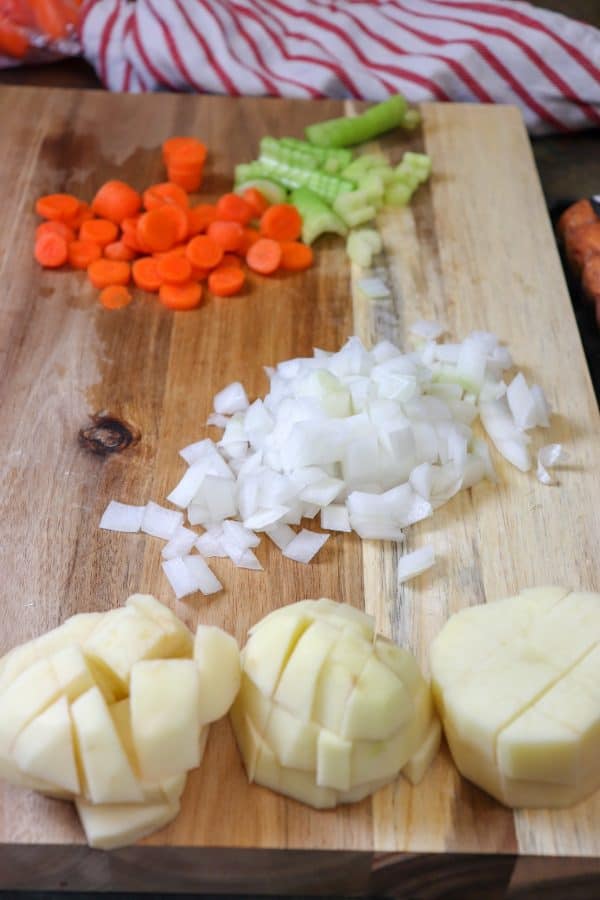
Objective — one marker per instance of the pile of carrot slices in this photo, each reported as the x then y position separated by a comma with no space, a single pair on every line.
165,245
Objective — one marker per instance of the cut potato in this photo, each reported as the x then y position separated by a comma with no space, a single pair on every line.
44,749
326,713
108,773
165,716
517,683
72,672
26,697
110,826
179,640
217,658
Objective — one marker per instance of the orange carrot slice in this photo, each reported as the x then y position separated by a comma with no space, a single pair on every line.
264,256
145,274
103,272
184,151
174,269
51,227
157,229
119,250
51,250
256,200
165,192
203,252
102,231
233,208
295,257
58,207
200,217
225,281
82,253
116,201
281,222
115,296
229,235
181,296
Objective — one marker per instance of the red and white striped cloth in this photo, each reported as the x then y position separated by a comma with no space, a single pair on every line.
490,51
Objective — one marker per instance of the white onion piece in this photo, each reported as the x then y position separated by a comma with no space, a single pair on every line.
209,544
240,534
184,492
179,577
198,450
218,496
180,544
428,330
122,517
375,288
231,399
521,402
218,420
203,577
262,519
281,534
335,518
160,522
305,545
542,407
549,456
415,563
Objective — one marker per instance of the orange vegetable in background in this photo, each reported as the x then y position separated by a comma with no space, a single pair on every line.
103,272
51,250
165,192
264,256
233,208
228,235
58,207
225,281
56,228
181,296
116,201
119,250
82,253
145,274
101,231
203,252
157,229
281,222
115,296
295,257
174,269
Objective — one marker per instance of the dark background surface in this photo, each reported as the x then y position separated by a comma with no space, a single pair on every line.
569,168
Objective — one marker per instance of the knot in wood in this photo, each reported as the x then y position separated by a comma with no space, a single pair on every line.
108,434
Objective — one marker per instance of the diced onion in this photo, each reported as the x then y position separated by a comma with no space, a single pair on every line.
179,577
415,563
305,545
204,578
122,517
231,399
180,544
428,330
160,522
549,456
280,534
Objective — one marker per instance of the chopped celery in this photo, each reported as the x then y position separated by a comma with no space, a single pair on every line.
270,148
420,162
273,192
345,131
411,119
363,164
398,194
326,186
317,216
355,208
330,159
386,173
406,176
362,244
373,187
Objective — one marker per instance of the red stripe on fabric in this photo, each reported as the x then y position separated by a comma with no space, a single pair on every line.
265,82
281,47
453,64
435,89
212,59
325,63
528,22
172,48
127,78
249,39
494,63
83,16
551,74
104,41
158,76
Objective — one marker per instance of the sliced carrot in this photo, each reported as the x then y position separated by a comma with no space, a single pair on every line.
145,274
184,150
82,253
103,272
54,19
225,281
180,217
295,257
230,260
256,200
129,235
157,229
101,231
187,180
51,250
115,296
250,236
264,256
83,214
181,296
200,217
165,192
233,208
58,207
174,269
119,250
13,39
281,222
229,235
116,201
203,252
178,250
199,274
51,227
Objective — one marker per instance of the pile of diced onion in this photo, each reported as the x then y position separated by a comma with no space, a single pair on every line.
364,440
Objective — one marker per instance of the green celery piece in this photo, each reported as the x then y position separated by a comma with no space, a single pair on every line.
270,148
346,131
363,164
411,119
359,250
330,159
373,187
420,162
274,193
317,216
326,186
404,175
386,173
355,208
371,237
398,194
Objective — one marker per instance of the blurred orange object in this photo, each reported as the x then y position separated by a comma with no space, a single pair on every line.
24,22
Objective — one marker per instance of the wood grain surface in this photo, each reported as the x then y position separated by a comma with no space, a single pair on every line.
475,250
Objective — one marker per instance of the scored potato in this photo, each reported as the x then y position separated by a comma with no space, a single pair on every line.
69,729
328,713
517,683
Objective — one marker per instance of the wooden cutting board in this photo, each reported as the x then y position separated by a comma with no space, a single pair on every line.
475,250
